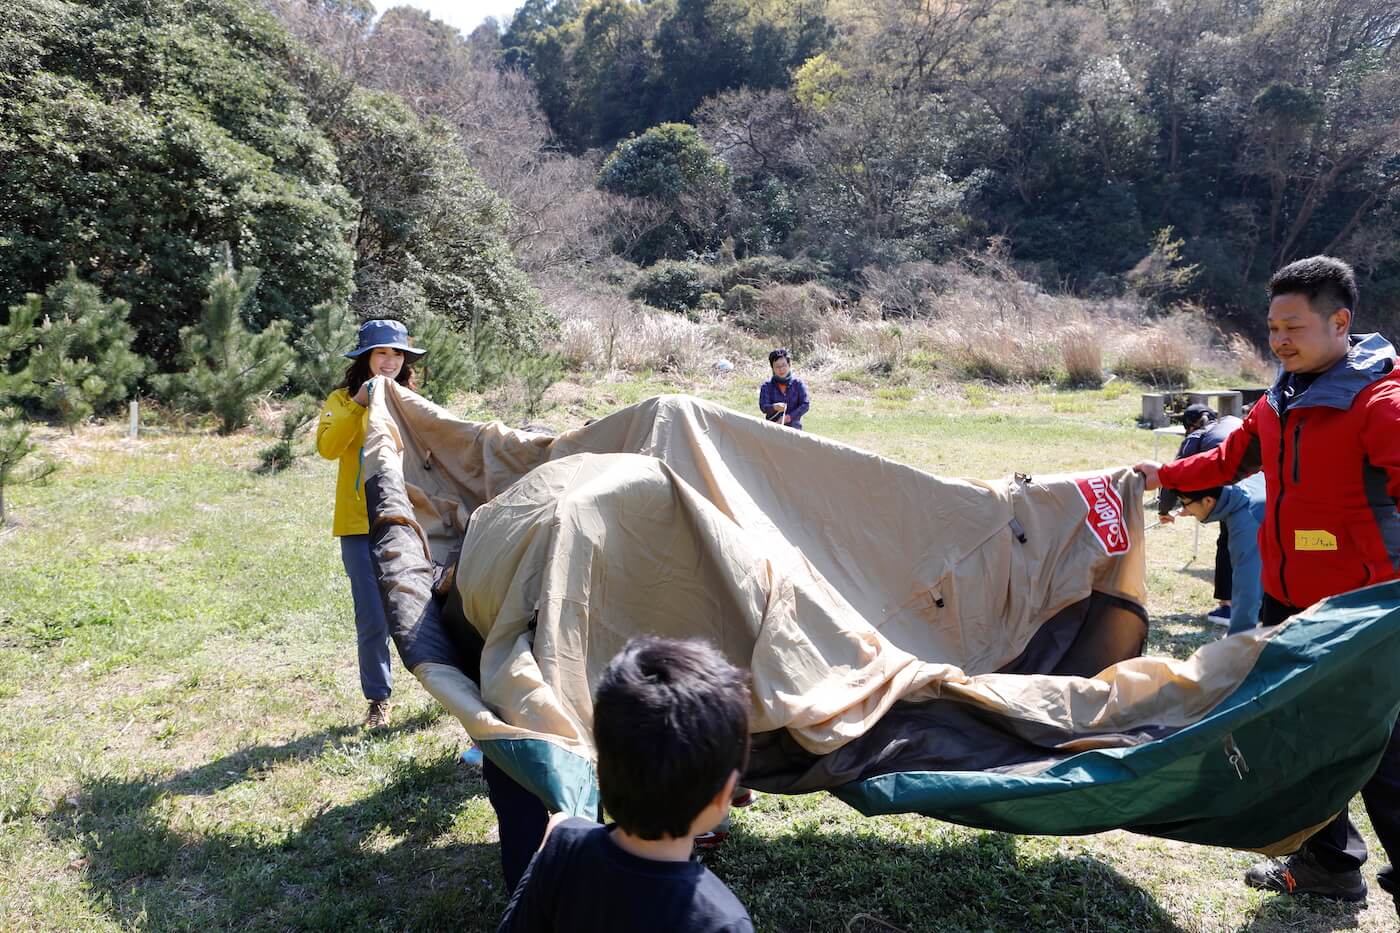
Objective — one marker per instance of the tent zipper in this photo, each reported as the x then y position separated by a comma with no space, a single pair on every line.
1235,756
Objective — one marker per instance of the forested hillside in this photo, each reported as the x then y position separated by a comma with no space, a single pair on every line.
774,170
138,136
872,132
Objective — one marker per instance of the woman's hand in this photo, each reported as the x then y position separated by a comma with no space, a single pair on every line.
362,397
779,406
787,419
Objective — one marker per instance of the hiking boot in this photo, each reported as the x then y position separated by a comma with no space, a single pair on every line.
743,797
1300,873
1220,615
378,715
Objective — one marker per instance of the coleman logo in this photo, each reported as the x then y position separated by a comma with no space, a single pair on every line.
1105,518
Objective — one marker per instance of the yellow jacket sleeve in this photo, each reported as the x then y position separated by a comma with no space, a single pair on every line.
342,423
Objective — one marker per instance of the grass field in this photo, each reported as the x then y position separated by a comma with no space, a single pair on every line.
179,747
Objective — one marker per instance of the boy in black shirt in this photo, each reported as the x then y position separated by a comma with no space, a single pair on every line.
671,724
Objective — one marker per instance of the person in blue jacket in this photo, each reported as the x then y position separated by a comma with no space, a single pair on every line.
783,398
1205,430
1240,511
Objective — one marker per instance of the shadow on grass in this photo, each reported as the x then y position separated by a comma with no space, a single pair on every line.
1179,644
1201,569
386,861
963,881
1283,914
251,762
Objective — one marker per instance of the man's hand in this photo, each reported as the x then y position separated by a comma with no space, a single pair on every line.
1165,518
1148,469
779,406
787,419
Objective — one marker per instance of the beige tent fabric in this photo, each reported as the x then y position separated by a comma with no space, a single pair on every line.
845,582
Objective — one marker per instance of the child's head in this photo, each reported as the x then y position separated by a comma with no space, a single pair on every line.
671,722
1311,306
1199,503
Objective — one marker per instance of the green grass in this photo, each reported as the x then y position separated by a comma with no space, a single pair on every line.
179,699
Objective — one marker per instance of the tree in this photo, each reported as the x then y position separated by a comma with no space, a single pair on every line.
229,365
16,336
428,229
135,144
670,165
609,68
15,450
81,361
454,362
556,216
320,348
319,366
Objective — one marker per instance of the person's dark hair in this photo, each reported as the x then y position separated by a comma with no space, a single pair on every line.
779,354
1196,495
1201,420
671,723
1327,283
357,374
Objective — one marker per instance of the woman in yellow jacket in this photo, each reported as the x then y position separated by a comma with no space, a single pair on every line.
383,351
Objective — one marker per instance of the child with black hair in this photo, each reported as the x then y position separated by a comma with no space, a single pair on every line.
1239,509
671,725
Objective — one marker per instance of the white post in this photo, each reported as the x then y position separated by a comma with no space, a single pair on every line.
134,418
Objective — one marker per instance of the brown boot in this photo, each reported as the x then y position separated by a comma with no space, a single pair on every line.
378,715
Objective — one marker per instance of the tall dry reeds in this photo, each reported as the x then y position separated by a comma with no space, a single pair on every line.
602,330
1082,354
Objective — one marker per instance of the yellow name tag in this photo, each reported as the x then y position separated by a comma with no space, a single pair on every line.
1314,541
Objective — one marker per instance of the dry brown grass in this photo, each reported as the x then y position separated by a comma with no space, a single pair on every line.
1082,355
1161,353
969,321
1253,367
603,331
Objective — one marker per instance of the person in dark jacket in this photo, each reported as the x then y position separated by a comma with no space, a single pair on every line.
1329,433
1205,430
671,725
783,398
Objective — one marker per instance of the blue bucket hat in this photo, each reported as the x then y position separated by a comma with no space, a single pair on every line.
389,334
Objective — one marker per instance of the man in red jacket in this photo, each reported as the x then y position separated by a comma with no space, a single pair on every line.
1328,433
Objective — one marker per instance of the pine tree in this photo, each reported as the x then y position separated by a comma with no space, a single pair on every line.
450,365
16,336
321,362
81,361
319,367
15,450
229,365
537,374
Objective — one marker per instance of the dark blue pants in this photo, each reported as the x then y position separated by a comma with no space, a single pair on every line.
371,627
520,821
